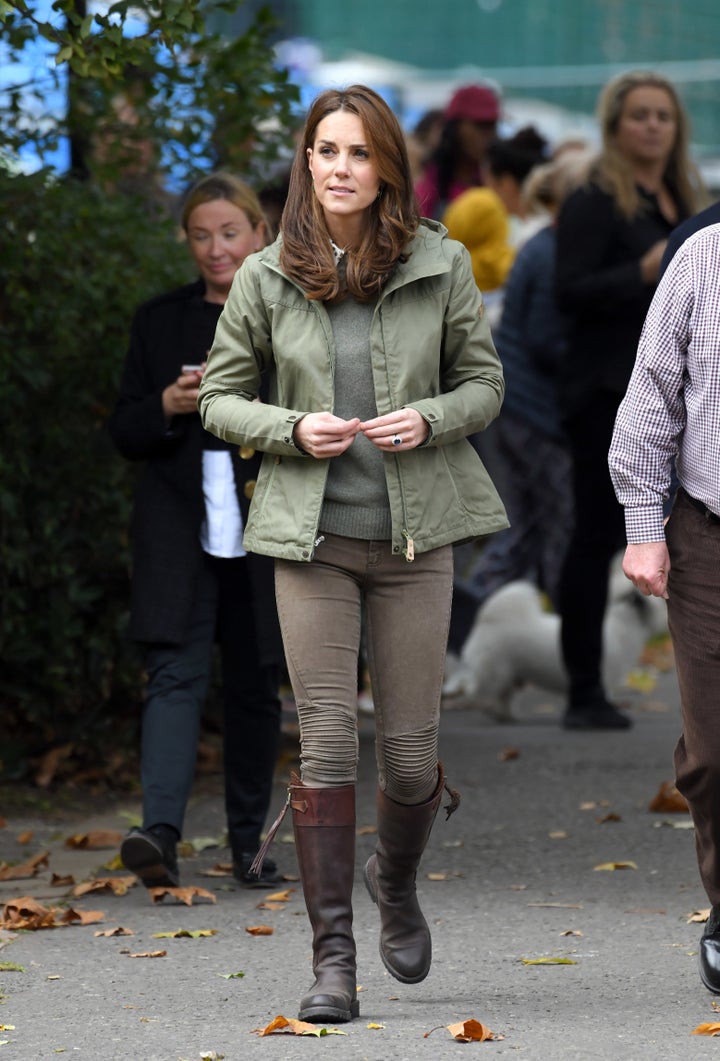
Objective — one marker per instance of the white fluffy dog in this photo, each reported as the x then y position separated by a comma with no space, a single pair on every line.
514,642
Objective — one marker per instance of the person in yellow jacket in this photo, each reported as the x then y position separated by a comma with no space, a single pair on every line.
479,220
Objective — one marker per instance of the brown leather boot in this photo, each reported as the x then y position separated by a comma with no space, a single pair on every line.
324,826
403,831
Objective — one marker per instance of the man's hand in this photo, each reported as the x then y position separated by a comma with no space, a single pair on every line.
647,565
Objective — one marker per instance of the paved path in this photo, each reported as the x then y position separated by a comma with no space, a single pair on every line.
514,877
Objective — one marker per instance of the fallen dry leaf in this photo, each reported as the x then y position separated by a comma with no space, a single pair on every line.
608,818
149,954
96,838
374,1027
26,837
28,913
186,933
56,881
259,930
659,653
289,1026
558,834
616,865
707,1029
185,895
117,931
280,897
49,764
30,868
81,917
507,754
116,885
592,804
562,906
437,876
667,800
548,961
641,680
3,823
467,1031
571,932
220,869
699,917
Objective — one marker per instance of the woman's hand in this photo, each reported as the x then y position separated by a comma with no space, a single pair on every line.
325,435
181,396
403,429
650,262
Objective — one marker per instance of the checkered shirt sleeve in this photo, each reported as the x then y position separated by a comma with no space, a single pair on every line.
672,405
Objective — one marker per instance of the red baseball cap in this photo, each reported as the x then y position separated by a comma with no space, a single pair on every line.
474,103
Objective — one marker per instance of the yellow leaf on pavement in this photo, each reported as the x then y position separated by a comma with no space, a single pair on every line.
707,1029
259,930
289,1026
616,865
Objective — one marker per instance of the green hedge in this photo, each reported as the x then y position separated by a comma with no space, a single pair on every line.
74,264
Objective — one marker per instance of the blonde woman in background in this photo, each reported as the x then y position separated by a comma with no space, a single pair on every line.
611,236
192,582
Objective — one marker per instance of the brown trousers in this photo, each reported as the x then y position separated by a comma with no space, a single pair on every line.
406,610
694,619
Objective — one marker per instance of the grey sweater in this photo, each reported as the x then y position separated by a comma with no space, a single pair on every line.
356,501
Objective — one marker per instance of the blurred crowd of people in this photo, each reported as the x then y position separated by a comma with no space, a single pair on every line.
566,242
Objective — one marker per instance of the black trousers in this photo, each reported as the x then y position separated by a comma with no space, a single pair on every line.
178,679
599,532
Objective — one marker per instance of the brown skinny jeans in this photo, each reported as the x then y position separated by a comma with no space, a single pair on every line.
407,616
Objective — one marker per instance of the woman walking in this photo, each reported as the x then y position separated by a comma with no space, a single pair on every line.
380,363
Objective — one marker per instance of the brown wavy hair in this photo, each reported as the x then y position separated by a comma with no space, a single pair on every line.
611,170
390,221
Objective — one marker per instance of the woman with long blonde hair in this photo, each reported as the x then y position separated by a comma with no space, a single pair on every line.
611,236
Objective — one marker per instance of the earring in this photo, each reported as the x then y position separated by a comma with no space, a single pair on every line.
379,194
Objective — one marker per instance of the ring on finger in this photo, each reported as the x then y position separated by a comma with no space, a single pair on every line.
396,441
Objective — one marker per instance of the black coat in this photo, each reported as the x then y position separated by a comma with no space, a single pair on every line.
600,289
169,331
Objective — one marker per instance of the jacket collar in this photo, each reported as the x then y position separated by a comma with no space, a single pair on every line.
426,257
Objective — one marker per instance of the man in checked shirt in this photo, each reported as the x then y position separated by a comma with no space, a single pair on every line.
672,410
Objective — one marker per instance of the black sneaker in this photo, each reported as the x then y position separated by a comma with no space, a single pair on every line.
268,877
151,855
597,713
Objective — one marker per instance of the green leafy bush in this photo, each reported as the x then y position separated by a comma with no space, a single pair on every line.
74,264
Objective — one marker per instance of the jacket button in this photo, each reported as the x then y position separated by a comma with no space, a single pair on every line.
249,488
305,554
246,452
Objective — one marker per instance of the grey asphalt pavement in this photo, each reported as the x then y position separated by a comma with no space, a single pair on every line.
512,877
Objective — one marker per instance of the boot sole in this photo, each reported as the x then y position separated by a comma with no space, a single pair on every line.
372,891
320,1014
141,857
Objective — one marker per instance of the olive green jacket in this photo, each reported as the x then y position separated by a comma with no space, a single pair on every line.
431,350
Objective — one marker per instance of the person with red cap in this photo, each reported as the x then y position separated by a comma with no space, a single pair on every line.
470,127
